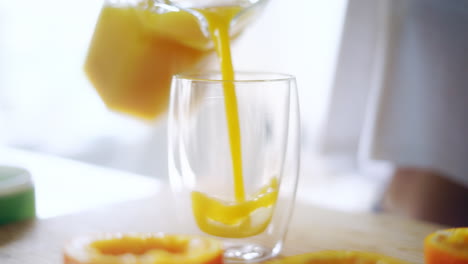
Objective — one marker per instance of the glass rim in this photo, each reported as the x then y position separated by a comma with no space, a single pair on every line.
204,77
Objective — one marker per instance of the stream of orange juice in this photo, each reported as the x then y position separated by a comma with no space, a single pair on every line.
131,60
244,217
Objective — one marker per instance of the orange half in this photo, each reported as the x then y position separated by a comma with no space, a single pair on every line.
337,257
152,248
448,246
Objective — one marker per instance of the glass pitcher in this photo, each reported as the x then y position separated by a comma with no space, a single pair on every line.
138,45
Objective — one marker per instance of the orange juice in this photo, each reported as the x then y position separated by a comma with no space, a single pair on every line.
235,219
134,53
218,22
244,217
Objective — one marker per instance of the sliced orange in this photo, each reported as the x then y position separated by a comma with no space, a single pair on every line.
137,248
337,257
449,246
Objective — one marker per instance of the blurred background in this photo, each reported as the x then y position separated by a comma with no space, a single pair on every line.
47,105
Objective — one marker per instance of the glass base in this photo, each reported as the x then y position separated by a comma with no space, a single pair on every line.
246,253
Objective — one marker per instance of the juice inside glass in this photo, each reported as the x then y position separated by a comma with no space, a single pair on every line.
201,167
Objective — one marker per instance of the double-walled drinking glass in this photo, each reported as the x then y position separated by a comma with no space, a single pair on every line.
249,210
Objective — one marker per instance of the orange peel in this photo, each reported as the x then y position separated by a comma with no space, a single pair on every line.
449,246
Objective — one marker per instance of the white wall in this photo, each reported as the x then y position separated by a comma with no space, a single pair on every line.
299,37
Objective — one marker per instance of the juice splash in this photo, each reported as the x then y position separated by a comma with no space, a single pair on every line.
235,219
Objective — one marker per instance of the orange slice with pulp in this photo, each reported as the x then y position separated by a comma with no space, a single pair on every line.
449,246
146,248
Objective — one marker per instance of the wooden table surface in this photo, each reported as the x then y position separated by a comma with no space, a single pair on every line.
311,229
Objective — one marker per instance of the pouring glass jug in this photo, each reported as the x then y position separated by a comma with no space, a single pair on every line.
138,45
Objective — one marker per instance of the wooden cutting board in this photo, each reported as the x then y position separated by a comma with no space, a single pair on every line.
311,229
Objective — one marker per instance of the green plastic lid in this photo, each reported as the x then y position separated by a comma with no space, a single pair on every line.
17,199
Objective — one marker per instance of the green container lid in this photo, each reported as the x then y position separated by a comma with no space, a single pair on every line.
17,199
